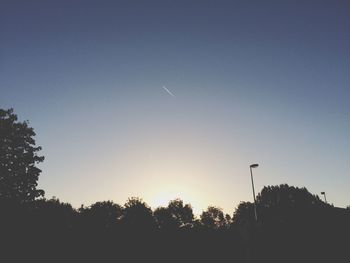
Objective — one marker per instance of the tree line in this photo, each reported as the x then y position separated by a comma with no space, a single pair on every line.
291,220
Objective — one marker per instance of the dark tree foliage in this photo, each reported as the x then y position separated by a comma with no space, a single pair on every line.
52,214
183,214
244,213
165,219
293,225
278,204
286,196
18,159
138,215
286,203
104,214
175,215
214,218
89,233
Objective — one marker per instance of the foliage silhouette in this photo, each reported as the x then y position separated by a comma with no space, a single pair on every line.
183,214
18,159
244,213
293,224
95,232
214,218
138,215
104,214
286,196
175,215
51,214
287,203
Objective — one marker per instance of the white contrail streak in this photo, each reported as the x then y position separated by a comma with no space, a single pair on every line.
169,92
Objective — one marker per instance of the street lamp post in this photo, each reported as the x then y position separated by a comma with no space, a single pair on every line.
324,195
255,165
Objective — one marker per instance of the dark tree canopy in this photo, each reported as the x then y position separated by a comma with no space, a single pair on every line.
291,223
103,214
183,214
286,196
175,215
244,213
278,204
138,215
214,218
52,214
18,159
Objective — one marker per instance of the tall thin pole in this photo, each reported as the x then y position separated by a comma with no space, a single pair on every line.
251,176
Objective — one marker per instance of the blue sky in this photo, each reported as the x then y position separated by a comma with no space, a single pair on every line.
254,81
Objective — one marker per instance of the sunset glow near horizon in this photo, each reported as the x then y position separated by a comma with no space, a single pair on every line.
175,99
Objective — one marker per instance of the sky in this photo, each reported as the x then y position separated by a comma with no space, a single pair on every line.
167,99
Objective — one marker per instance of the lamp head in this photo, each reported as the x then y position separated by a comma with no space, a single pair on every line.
255,165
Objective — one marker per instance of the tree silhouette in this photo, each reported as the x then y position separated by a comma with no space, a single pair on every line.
284,202
293,224
214,218
52,214
101,214
18,159
244,213
165,219
175,215
183,214
138,215
286,196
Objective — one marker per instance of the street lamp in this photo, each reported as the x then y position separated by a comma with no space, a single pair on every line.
324,195
255,165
